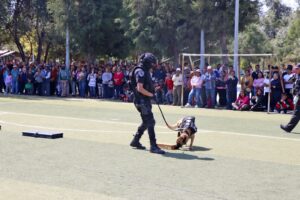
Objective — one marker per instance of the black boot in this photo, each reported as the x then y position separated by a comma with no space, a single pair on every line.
156,149
136,142
284,128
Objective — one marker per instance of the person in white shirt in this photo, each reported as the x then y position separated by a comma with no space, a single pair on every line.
289,80
46,82
266,88
196,84
177,86
92,77
106,80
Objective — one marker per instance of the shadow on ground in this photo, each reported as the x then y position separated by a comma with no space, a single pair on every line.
183,156
198,148
295,133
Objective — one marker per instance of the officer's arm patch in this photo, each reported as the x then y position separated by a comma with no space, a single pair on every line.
140,73
140,76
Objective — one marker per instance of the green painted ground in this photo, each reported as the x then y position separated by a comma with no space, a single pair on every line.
238,155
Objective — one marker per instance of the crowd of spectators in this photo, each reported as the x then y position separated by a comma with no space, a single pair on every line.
210,87
217,87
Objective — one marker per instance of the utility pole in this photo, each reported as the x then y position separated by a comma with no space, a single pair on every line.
67,47
236,37
67,37
202,49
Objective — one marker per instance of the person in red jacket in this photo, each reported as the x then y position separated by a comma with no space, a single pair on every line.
284,104
118,78
242,103
169,85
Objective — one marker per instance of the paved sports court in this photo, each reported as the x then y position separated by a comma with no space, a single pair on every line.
237,155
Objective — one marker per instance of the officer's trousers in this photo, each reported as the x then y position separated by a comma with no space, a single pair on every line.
148,122
294,120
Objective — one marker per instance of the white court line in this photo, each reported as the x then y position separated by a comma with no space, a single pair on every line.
136,124
72,118
67,129
3,113
253,135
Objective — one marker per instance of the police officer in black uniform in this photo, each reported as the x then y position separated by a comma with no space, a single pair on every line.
296,115
142,86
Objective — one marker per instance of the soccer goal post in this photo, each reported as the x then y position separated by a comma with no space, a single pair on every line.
191,56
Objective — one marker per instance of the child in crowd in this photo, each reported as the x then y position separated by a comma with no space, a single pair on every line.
128,94
284,104
258,101
29,87
242,103
8,83
99,84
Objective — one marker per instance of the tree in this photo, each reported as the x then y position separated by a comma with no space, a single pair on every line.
163,27
254,40
15,19
167,26
288,45
95,30
276,17
219,19
42,23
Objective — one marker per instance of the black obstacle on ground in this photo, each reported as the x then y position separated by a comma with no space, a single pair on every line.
43,134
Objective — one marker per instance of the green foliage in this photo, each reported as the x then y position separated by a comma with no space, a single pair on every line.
290,44
276,17
254,40
158,26
95,30
121,28
167,26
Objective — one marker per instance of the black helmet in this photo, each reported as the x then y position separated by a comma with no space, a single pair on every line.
147,59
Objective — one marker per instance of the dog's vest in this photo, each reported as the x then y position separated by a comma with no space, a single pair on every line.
188,122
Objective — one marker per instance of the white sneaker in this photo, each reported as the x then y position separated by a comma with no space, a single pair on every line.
188,105
196,106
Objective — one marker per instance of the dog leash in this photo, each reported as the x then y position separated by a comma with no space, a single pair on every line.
163,116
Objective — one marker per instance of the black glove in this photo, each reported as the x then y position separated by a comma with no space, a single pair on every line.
154,98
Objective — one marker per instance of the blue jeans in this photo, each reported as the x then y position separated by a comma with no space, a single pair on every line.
169,97
92,91
82,88
46,87
211,95
195,92
15,89
73,87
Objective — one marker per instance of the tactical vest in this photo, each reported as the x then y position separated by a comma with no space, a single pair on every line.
148,85
188,122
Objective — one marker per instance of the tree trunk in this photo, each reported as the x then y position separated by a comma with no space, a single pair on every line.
174,50
31,48
14,29
47,51
20,48
176,56
40,45
224,49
